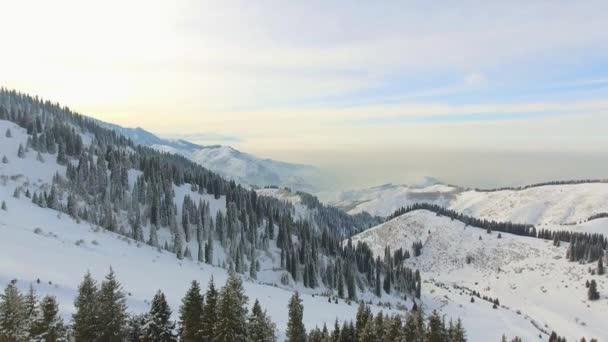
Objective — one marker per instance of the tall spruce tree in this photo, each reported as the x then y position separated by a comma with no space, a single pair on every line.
209,315
190,314
295,327
13,322
31,310
259,327
112,309
50,327
232,312
85,318
158,326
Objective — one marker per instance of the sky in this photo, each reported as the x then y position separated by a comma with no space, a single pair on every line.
479,93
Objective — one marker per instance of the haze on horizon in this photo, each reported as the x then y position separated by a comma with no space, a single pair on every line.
478,94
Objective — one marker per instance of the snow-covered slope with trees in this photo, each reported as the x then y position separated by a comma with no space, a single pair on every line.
241,167
559,204
76,196
537,287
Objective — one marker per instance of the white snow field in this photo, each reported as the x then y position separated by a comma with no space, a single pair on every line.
566,204
538,289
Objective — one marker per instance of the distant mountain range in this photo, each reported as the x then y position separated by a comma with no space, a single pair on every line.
243,168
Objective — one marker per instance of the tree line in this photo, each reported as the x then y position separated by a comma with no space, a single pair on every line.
219,315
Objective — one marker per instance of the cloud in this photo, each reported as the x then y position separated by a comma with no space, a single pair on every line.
475,79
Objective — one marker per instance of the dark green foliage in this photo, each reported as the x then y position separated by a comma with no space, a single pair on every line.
158,326
592,293
49,327
112,310
232,312
190,314
13,320
259,326
85,318
210,312
295,327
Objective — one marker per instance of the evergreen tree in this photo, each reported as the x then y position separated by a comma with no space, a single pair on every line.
158,326
209,250
295,327
435,331
8,133
4,160
459,334
4,206
592,292
30,305
13,321
259,327
190,314
135,328
85,318
112,308
50,326
232,312
600,266
209,315
21,152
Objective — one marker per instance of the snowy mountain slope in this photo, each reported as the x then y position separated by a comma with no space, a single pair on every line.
383,200
69,249
41,243
241,167
528,275
549,204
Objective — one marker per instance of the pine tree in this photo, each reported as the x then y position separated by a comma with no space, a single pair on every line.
30,305
50,326
190,314
459,333
21,152
295,327
232,312
592,293
600,266
158,326
8,133
85,319
135,328
112,310
177,246
209,250
4,160
435,331
209,315
260,327
4,206
13,321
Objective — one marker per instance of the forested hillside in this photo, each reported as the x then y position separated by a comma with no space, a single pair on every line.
174,204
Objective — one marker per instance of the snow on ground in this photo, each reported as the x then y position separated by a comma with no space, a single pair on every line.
527,275
44,244
550,204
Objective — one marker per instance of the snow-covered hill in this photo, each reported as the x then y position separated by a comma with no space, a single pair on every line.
563,204
241,167
534,282
52,250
